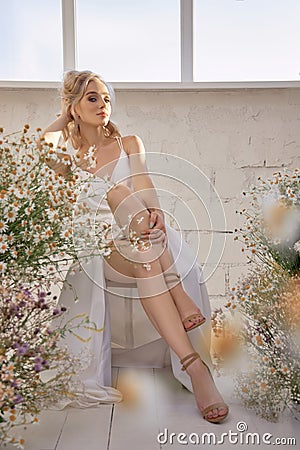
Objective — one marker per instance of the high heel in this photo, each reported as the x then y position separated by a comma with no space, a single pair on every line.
173,277
186,361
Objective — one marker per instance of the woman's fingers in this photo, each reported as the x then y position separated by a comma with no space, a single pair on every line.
152,219
156,221
155,236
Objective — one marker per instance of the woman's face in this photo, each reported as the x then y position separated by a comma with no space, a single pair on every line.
95,106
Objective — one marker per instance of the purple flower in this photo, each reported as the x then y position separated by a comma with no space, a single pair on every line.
38,363
27,292
21,348
41,294
38,360
37,367
17,399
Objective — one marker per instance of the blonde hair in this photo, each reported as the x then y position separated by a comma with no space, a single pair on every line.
74,86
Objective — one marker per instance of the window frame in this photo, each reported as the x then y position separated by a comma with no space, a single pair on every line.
187,59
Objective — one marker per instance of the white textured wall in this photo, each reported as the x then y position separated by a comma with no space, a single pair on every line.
234,136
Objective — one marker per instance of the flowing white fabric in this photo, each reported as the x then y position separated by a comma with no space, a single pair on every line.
93,299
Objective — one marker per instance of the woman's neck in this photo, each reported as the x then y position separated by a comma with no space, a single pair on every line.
92,135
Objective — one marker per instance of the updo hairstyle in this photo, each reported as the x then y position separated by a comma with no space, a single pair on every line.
74,87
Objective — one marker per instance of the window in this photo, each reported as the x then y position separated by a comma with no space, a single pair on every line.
129,40
30,40
181,42
247,40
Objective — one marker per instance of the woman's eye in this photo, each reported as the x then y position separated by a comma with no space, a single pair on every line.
107,100
92,99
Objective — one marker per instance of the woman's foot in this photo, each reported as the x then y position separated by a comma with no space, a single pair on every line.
190,315
193,321
207,396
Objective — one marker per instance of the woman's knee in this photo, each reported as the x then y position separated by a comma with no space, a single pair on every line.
116,195
128,209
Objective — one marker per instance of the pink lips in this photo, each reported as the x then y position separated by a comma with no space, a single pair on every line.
102,114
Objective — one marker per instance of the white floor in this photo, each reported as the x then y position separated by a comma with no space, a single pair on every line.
154,403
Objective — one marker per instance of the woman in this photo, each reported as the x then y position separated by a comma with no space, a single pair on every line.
134,206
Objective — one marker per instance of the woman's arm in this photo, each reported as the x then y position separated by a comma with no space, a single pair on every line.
141,180
52,134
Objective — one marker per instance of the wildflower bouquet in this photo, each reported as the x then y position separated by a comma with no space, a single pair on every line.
267,300
49,221
31,329
35,212
272,231
37,247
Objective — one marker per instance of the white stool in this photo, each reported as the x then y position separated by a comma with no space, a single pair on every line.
134,340
130,327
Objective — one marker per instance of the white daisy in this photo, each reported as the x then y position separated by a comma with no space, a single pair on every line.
14,206
3,226
105,252
3,247
53,215
90,153
297,246
19,193
28,210
11,215
3,238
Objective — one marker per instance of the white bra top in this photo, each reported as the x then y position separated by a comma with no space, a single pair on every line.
98,187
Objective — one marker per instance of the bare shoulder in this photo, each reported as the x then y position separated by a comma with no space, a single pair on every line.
133,144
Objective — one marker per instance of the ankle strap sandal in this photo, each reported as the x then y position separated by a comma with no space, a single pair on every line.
186,362
196,319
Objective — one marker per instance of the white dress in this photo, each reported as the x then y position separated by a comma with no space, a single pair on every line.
93,299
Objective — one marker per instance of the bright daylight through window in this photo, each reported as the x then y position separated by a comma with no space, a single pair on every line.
131,40
31,40
153,41
246,40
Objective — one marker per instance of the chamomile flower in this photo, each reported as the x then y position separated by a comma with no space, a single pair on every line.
3,226
11,215
3,247
297,246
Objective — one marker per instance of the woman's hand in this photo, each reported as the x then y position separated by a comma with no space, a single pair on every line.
52,133
156,221
157,229
65,113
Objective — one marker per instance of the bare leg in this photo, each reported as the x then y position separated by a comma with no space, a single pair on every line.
140,221
158,302
185,305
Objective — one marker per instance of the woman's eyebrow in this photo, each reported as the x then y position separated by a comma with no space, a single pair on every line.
94,92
